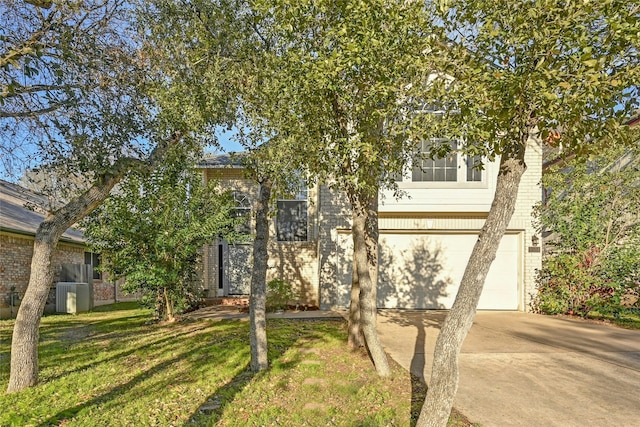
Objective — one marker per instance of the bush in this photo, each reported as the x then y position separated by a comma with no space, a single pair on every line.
622,268
577,284
592,214
279,294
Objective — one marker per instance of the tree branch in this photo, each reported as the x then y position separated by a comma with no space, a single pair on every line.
31,113
27,47
20,90
78,208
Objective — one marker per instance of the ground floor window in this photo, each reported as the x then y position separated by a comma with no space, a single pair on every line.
292,219
93,260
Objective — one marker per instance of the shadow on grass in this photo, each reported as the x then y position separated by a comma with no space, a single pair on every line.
60,334
105,398
284,334
88,356
191,352
213,408
157,358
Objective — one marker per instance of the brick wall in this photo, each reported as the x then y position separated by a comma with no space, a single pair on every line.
296,262
529,194
15,269
334,214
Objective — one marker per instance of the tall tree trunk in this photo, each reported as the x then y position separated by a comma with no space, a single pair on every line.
24,346
372,235
355,334
355,338
367,292
444,375
258,297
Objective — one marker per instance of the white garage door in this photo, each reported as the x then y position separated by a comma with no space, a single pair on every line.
423,271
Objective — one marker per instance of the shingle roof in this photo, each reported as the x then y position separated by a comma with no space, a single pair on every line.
222,160
22,211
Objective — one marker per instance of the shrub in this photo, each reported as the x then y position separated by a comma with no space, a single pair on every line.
622,269
592,213
279,294
152,232
576,284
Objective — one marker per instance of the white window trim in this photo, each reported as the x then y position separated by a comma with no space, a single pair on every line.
461,178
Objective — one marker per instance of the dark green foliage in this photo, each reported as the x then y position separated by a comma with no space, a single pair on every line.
593,214
152,231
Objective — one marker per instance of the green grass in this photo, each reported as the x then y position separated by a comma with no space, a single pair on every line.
113,367
625,318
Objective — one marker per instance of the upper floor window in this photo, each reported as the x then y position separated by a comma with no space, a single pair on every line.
443,169
474,172
453,168
292,219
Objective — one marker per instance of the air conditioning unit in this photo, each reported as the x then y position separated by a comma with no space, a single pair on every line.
79,273
72,297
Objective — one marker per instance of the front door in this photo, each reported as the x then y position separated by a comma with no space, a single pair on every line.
237,265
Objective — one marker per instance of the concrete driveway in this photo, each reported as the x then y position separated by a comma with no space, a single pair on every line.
520,369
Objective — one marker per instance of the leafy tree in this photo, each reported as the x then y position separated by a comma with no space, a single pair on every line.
58,61
523,70
593,214
152,230
332,81
209,38
72,96
193,56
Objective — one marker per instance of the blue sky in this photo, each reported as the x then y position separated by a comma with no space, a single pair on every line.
227,144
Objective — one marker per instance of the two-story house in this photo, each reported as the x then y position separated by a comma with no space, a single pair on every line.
426,238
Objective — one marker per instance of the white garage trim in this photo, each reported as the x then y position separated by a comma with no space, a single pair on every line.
422,270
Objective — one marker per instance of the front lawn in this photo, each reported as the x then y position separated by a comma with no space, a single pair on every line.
112,367
625,317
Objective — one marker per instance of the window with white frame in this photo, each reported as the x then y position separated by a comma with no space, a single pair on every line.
443,169
292,218
452,168
474,169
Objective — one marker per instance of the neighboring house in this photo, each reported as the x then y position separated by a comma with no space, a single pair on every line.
21,212
425,238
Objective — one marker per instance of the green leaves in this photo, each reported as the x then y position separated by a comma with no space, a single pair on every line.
331,82
152,230
593,216
540,64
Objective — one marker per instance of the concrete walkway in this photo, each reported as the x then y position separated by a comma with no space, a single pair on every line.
519,369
